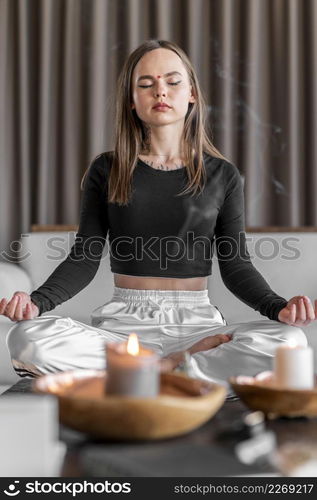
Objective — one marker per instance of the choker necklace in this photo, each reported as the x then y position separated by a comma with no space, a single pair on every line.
161,166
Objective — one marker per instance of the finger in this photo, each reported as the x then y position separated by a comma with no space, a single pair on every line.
295,299
23,298
19,310
10,310
301,311
297,320
3,305
28,311
292,316
310,313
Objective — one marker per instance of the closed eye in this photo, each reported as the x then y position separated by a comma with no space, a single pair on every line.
147,86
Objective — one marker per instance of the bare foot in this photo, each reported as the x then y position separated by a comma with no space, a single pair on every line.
210,342
173,360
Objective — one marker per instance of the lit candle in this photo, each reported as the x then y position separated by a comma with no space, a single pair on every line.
294,367
132,370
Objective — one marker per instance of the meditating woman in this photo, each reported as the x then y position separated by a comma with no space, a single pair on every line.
165,197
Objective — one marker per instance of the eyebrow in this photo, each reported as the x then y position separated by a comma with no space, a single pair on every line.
146,77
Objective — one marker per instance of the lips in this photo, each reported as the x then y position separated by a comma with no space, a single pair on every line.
161,106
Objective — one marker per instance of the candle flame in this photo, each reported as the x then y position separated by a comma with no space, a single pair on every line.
133,344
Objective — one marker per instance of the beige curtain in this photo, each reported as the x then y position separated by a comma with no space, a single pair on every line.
59,63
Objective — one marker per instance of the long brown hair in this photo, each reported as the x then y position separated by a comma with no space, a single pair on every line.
130,133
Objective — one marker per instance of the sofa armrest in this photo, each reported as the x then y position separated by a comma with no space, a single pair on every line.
12,279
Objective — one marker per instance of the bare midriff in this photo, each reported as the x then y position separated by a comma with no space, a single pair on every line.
154,283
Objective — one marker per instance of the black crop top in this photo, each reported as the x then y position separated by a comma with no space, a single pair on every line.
159,234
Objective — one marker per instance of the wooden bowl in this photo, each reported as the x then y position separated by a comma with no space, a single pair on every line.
274,401
182,405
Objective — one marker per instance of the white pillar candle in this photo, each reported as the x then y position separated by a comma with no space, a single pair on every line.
294,367
132,370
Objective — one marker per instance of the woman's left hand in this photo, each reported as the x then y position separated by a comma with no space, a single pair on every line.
299,311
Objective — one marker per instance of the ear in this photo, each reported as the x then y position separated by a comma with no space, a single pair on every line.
132,106
192,97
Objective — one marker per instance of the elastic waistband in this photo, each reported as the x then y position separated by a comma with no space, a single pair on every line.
175,296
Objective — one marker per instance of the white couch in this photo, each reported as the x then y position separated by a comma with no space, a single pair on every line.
289,272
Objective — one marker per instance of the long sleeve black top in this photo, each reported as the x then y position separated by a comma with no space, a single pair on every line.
161,234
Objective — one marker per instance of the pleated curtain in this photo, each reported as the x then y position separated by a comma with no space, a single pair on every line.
59,63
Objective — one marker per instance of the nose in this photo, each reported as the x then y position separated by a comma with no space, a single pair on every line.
159,89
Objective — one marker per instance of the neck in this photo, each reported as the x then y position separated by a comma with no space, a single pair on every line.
165,142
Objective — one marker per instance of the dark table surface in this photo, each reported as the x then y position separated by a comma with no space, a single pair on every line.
209,451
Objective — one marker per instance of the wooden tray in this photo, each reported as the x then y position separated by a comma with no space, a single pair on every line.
182,405
275,401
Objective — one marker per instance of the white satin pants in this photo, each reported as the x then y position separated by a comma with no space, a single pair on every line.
166,321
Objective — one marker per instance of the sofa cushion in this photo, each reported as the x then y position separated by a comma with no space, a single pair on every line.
288,263
286,260
12,279
44,251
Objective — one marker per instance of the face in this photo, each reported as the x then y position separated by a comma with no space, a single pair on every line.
161,77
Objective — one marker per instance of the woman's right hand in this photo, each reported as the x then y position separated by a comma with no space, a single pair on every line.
19,308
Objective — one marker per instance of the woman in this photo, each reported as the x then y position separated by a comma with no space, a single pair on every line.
164,196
